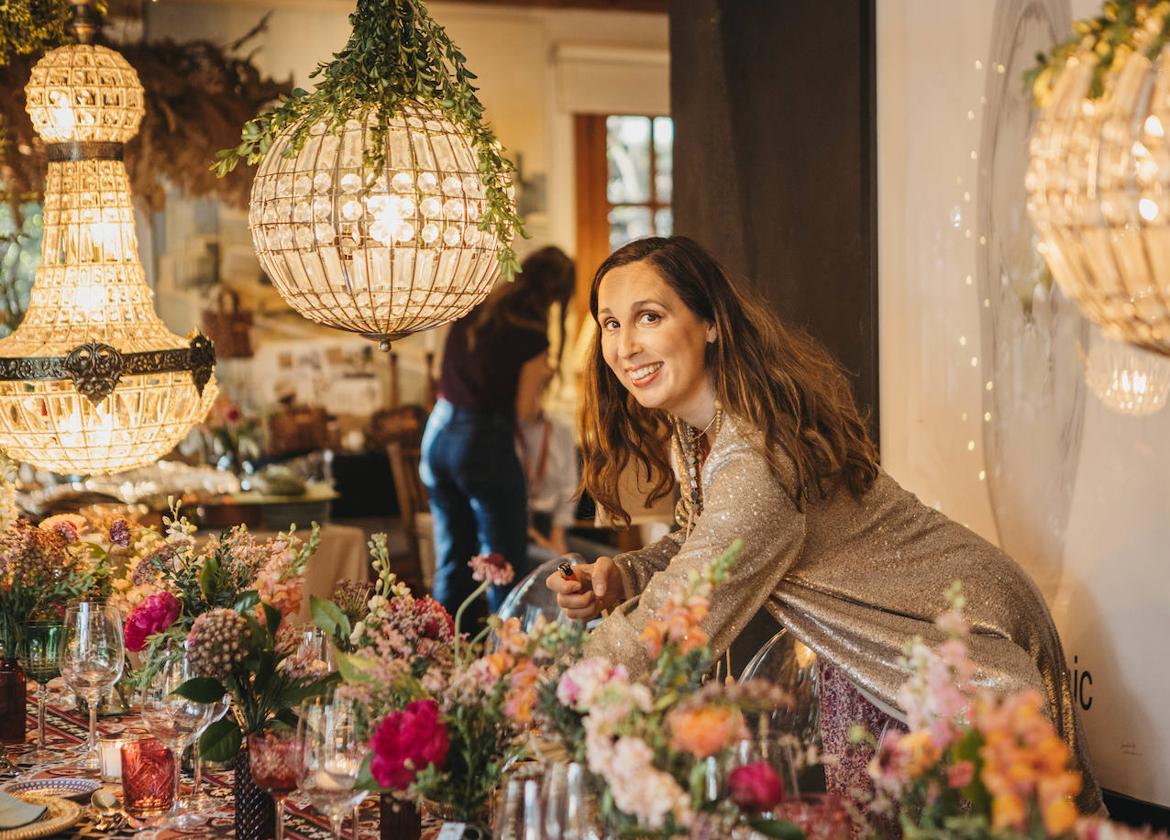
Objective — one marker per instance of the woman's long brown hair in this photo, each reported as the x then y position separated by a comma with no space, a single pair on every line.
776,378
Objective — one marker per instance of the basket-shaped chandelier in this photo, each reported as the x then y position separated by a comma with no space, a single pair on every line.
1126,379
1099,189
382,204
382,252
92,381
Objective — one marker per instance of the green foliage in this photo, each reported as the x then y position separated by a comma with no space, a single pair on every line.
1122,28
396,53
221,741
28,26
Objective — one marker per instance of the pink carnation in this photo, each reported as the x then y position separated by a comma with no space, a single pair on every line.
492,567
154,615
406,742
756,787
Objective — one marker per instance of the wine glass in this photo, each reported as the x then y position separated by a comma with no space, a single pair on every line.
91,658
175,721
275,759
40,650
198,801
332,752
568,810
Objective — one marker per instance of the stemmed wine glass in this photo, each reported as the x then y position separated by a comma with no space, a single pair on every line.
332,752
40,650
175,721
198,801
91,660
275,760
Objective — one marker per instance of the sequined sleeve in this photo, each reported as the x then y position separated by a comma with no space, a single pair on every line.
743,500
638,567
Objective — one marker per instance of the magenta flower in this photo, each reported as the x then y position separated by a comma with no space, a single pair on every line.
154,615
756,787
120,532
492,568
406,742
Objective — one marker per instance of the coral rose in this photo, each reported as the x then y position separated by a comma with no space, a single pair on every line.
706,730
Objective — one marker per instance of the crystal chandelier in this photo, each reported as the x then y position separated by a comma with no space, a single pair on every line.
1126,379
1099,191
381,252
92,381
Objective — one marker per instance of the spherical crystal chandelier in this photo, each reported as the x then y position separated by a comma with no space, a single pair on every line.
1099,192
92,381
1126,379
385,251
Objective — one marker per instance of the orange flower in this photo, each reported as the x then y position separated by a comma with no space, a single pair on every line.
1060,815
919,752
706,730
1007,811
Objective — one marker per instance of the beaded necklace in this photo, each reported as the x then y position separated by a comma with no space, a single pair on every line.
692,447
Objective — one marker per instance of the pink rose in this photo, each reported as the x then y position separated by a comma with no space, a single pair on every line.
960,775
756,787
154,615
493,568
406,742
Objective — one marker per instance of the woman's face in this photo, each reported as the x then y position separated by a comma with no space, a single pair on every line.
654,343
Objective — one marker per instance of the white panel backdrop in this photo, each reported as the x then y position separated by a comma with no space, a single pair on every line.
985,410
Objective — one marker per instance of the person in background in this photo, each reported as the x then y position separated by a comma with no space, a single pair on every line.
548,455
495,359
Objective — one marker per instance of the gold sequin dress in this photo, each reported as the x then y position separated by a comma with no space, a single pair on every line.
852,579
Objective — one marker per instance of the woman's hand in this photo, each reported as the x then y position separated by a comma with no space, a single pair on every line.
594,588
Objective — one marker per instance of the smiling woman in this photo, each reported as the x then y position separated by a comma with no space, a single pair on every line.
769,448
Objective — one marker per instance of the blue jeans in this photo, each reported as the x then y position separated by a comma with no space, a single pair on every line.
479,502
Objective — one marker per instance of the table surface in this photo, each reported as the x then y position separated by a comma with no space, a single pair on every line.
65,727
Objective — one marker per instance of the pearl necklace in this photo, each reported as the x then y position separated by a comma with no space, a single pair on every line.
687,441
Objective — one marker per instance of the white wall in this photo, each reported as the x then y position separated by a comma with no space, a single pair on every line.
536,68
985,410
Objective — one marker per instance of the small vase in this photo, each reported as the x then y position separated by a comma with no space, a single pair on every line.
255,815
13,702
398,820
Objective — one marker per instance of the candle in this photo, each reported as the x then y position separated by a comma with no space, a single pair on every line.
110,747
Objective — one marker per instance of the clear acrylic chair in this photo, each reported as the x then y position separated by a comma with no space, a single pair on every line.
531,598
792,666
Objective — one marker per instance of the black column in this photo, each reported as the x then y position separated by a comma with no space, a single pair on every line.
775,162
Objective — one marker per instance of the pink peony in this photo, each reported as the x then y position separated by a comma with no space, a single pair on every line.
492,567
756,787
154,615
406,742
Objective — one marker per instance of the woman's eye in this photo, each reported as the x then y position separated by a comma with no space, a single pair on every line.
651,317
610,324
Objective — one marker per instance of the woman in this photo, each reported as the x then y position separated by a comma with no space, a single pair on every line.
769,447
494,359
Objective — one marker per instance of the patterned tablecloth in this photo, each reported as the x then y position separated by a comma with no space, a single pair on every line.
65,727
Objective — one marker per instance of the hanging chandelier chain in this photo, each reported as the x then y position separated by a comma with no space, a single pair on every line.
86,22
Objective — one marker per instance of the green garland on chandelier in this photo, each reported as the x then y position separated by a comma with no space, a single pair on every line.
1122,28
396,52
32,26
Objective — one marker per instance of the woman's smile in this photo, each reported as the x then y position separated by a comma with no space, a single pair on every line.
642,376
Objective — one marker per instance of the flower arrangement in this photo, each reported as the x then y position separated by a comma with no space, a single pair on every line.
231,437
975,765
256,660
445,714
649,742
38,575
168,588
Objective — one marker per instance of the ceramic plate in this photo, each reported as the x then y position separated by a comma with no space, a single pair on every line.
50,786
59,815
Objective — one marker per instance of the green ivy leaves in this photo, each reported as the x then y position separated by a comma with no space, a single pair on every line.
396,53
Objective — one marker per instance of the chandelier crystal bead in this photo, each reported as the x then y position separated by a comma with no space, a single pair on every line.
382,253
1098,188
92,381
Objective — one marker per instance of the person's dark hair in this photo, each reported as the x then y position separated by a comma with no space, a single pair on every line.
776,378
547,276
